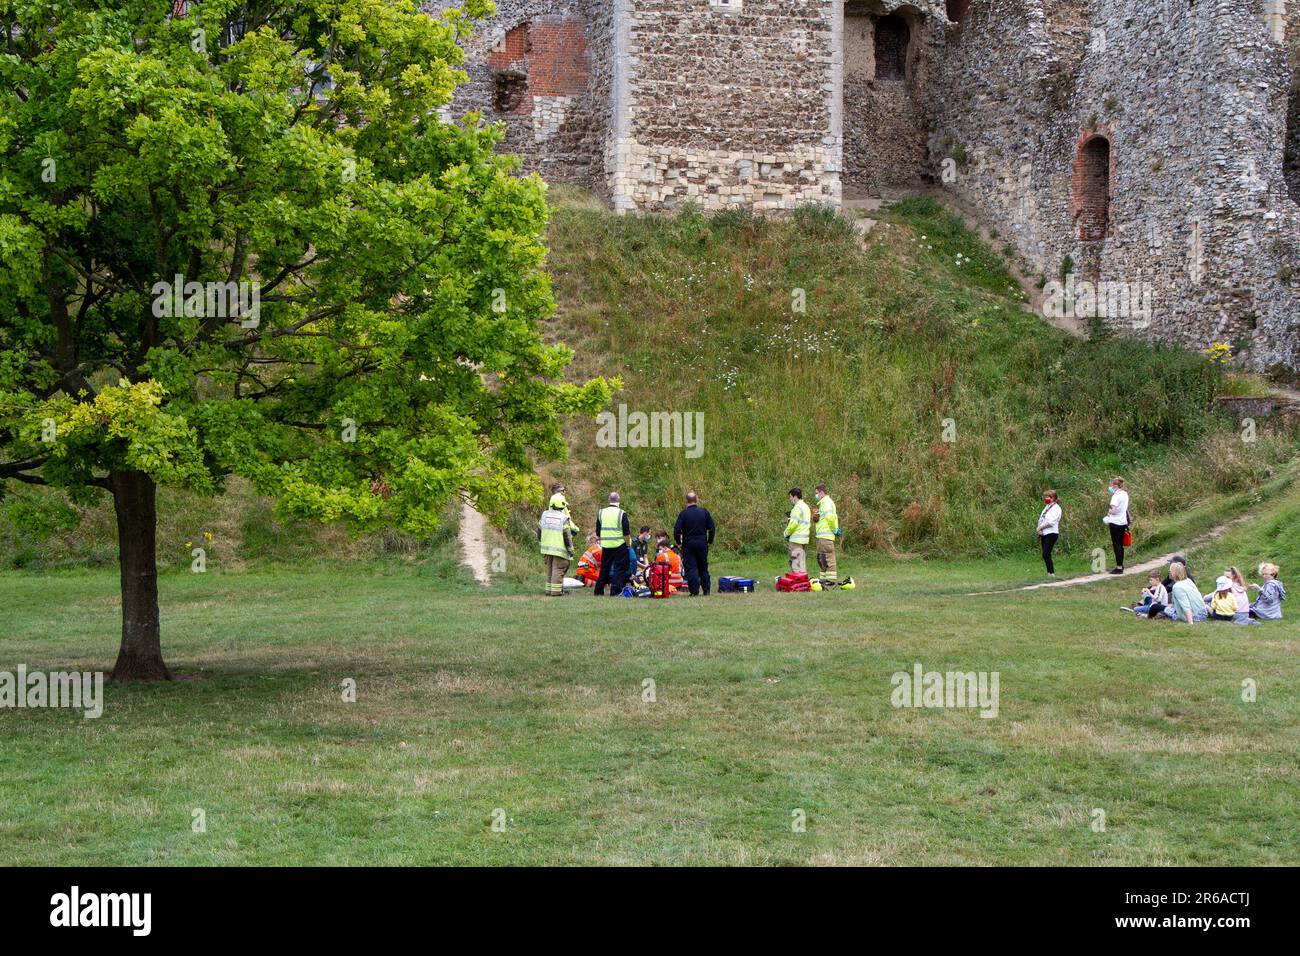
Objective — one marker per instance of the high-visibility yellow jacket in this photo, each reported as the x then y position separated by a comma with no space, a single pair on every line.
828,522
796,532
611,525
553,534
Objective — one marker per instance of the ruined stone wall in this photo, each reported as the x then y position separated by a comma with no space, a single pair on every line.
543,69
886,121
1190,101
726,103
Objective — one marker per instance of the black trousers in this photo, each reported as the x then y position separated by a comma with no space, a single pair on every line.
1117,542
615,567
1048,542
695,566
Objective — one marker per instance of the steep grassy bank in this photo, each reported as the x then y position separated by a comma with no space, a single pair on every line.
904,372
914,383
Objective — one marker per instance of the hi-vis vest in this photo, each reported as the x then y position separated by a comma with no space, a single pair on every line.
800,520
827,519
552,533
611,527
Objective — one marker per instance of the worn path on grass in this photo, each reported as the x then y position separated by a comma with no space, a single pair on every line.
1154,564
473,542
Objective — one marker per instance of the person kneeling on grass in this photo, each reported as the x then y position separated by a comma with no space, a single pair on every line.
1186,604
1153,593
1222,603
589,564
1268,603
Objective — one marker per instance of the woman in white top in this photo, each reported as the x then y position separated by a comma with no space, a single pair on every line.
1117,518
1049,528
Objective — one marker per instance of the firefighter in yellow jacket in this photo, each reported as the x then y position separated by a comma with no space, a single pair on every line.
560,503
556,543
796,531
828,529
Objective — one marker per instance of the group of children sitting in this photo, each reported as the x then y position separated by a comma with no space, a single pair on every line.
589,564
1176,597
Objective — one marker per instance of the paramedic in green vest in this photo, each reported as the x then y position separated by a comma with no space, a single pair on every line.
828,529
556,543
615,531
796,531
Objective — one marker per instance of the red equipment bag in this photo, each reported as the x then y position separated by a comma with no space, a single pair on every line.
794,581
660,579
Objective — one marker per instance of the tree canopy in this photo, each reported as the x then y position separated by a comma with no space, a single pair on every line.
245,239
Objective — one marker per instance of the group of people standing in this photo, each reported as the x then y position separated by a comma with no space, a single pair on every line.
693,534
1117,520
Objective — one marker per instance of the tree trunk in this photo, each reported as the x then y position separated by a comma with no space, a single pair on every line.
140,657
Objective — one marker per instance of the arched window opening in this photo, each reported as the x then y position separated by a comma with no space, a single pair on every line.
1092,189
892,38
957,9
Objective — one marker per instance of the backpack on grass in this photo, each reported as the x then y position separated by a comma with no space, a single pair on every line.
660,579
735,585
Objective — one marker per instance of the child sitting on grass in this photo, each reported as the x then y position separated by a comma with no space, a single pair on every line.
1240,593
1268,603
1222,603
1154,593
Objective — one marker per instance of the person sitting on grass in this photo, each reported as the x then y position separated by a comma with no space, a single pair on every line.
1268,603
1186,604
1168,582
1153,593
1240,593
589,564
1222,603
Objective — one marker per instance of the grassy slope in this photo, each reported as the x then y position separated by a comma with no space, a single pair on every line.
766,704
922,325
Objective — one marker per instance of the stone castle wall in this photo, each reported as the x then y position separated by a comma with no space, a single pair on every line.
886,109
1154,143
544,70
1190,103
726,103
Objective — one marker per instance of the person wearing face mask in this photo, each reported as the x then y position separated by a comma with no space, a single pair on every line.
1049,529
1117,519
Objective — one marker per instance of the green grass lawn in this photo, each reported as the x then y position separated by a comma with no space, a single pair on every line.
766,704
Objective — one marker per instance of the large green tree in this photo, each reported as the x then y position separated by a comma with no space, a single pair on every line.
238,238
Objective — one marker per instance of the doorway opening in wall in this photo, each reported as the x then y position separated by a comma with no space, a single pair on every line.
957,9
509,87
1092,189
1291,148
892,38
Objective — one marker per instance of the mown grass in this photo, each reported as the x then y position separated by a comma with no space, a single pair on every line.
469,702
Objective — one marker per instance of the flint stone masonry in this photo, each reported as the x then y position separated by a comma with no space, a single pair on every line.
1148,142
